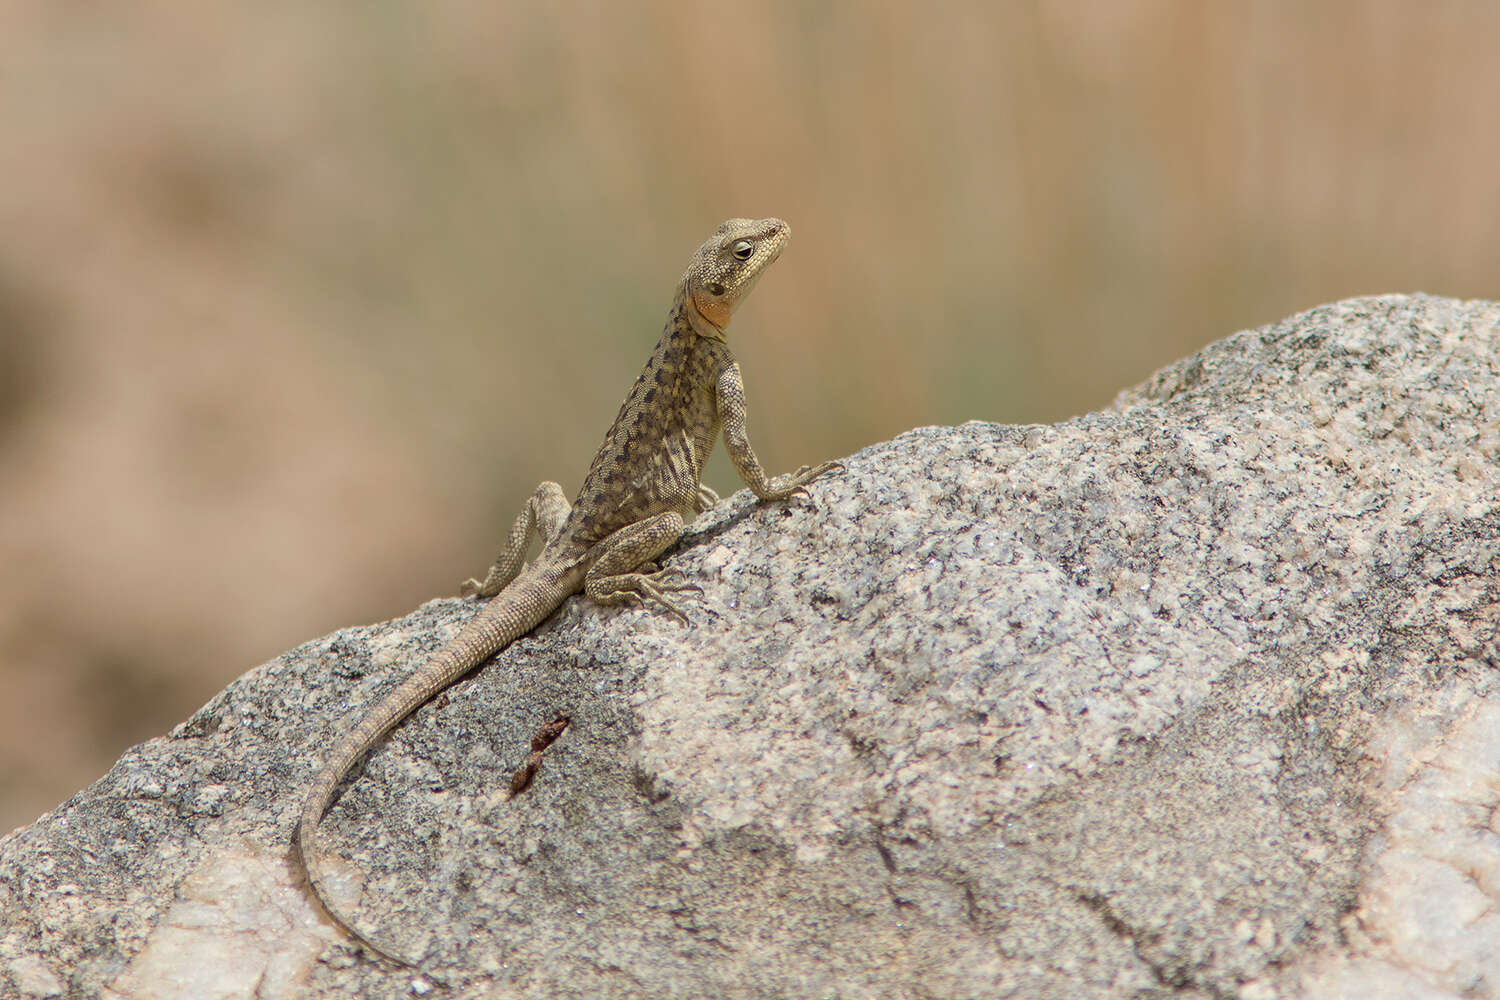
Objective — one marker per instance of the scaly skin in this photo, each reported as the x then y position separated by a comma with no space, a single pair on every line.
642,488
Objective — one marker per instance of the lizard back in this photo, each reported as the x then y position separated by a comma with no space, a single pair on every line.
653,454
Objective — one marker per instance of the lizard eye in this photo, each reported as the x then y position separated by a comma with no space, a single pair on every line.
714,288
742,249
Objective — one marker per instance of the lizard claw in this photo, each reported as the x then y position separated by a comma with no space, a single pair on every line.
657,585
672,609
646,589
673,579
793,484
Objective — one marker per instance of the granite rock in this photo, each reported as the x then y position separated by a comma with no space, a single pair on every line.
1193,696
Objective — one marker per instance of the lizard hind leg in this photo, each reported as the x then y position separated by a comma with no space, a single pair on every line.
544,513
615,577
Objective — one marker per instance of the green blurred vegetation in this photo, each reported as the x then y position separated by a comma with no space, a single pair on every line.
298,302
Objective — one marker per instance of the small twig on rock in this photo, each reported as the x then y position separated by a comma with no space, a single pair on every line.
543,739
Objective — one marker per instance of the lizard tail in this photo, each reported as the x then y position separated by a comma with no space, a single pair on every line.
512,613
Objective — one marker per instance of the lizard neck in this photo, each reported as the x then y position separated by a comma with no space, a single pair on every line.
685,315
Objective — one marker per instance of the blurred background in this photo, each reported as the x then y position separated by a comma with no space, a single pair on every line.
299,301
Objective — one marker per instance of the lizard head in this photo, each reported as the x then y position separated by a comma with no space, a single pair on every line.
726,267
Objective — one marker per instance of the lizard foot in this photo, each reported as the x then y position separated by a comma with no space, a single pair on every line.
706,498
646,589
795,484
491,585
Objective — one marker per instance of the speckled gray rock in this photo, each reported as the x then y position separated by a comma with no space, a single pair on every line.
1189,697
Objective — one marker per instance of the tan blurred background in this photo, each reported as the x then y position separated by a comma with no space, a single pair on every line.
299,301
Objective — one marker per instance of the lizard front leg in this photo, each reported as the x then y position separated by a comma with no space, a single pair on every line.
545,513
613,577
731,400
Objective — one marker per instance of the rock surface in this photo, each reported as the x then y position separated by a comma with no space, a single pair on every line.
1189,697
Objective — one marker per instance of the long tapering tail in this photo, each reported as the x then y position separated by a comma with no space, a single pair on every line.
512,613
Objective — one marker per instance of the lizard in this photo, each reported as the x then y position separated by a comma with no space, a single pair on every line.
642,488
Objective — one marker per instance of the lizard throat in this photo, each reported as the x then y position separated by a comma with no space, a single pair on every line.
707,322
